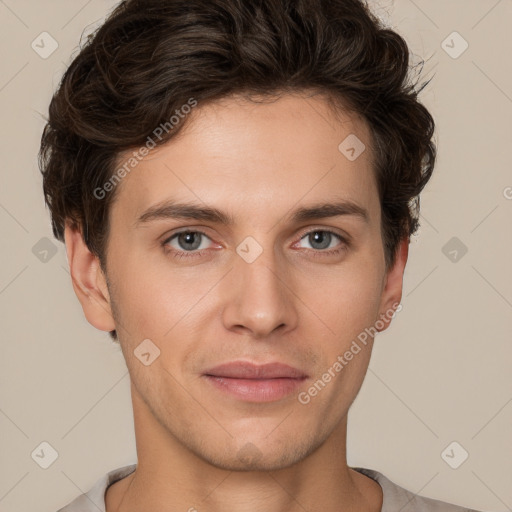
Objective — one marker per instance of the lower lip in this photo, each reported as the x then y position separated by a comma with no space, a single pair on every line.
256,390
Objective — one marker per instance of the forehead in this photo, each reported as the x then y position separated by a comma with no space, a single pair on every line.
256,158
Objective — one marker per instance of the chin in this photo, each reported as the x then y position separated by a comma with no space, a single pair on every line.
260,455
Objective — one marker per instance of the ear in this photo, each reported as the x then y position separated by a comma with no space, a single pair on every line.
88,281
392,291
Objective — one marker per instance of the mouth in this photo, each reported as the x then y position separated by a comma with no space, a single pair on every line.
255,383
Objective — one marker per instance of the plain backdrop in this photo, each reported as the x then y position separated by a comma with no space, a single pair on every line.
440,374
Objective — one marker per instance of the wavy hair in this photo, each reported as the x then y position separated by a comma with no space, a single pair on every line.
150,57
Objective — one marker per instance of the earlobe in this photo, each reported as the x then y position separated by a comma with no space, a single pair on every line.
88,281
392,292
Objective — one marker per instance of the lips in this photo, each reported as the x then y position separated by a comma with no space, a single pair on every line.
255,383
247,370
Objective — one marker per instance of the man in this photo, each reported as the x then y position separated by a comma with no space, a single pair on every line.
284,143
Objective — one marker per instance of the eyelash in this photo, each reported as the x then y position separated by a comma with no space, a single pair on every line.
345,244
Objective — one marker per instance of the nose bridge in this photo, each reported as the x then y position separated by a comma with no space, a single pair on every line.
260,299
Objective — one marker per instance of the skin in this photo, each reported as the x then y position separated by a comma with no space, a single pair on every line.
257,162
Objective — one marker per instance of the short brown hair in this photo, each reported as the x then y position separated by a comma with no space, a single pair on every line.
151,56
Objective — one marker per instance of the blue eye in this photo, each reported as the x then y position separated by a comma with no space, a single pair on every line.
191,240
191,243
322,238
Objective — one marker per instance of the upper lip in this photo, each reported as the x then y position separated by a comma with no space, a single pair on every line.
248,370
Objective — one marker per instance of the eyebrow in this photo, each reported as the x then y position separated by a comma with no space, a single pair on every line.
175,210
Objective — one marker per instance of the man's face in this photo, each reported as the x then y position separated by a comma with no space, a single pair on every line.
267,288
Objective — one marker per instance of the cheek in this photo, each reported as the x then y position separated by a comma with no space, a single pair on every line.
152,297
349,300
350,312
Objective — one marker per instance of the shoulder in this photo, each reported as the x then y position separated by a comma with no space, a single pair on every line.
397,498
94,499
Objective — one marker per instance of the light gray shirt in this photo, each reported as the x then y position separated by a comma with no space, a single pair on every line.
395,498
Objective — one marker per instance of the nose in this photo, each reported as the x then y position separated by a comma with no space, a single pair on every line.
259,297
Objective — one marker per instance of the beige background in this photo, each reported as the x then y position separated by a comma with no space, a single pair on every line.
441,373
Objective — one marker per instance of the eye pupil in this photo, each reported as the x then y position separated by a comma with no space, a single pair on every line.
321,237
187,237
